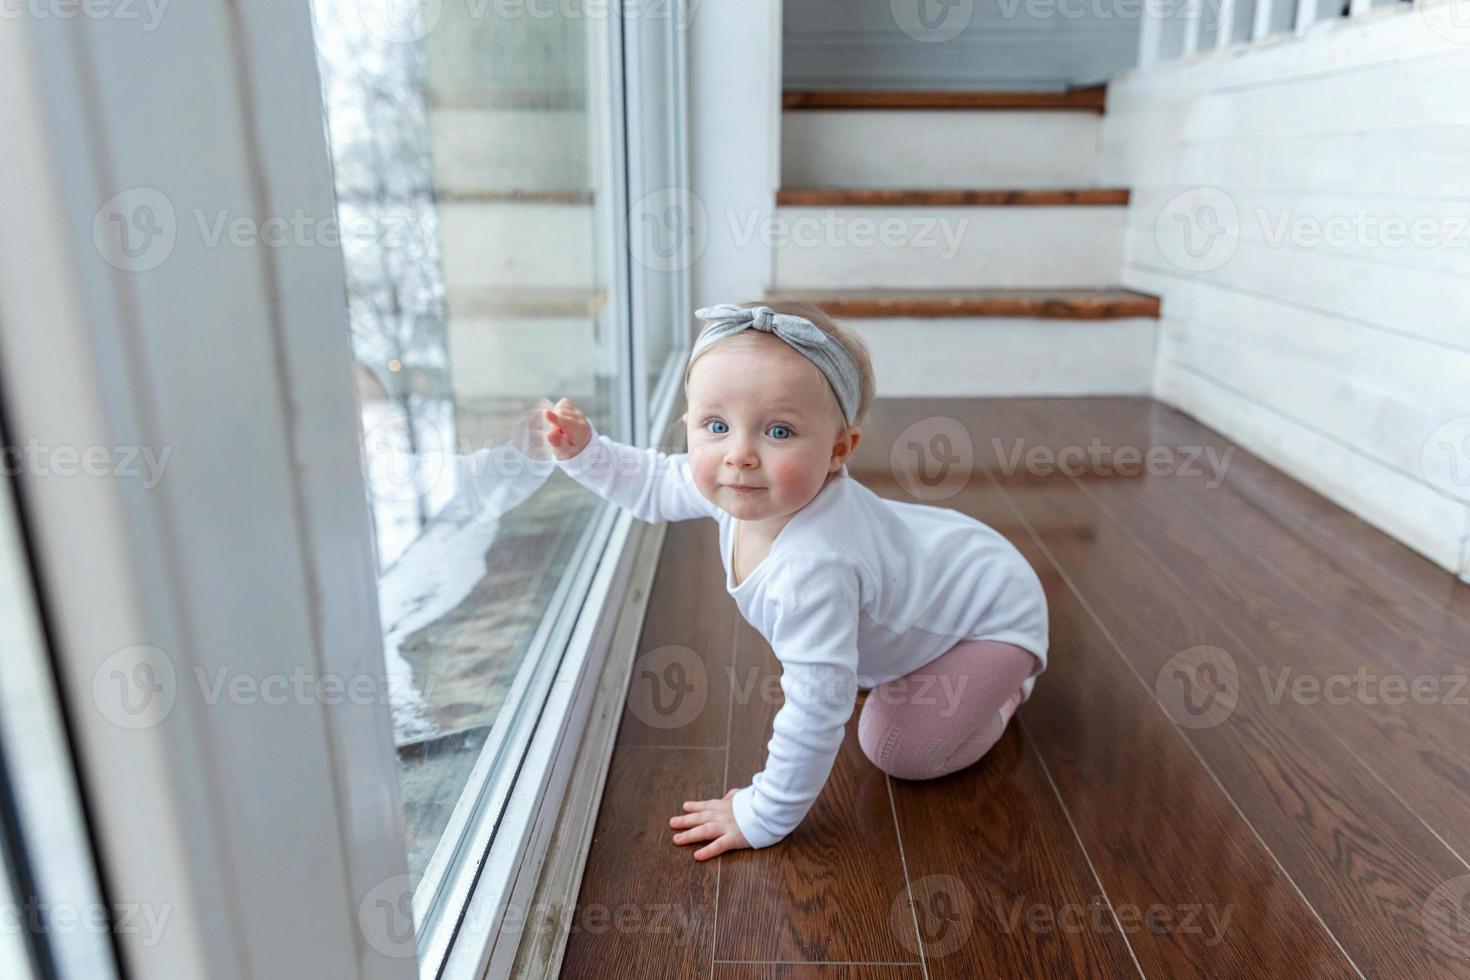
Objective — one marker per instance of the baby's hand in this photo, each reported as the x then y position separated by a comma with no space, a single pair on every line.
712,820
570,431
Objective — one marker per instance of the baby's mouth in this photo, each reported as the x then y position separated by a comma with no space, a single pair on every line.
741,488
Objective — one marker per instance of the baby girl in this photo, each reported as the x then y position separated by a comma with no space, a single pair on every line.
934,613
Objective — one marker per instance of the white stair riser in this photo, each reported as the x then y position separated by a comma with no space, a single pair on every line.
1001,356
509,149
948,247
518,245
526,357
930,148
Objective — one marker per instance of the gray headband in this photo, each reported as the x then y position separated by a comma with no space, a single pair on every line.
804,336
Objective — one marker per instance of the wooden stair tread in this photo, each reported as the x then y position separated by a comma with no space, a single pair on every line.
949,196
529,304
1085,99
1042,304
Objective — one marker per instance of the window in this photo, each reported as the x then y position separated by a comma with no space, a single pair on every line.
479,160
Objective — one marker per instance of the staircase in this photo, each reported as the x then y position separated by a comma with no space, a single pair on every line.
967,237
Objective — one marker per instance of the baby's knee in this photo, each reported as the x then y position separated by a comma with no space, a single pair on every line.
882,741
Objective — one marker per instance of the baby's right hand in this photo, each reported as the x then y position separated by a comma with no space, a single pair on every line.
570,431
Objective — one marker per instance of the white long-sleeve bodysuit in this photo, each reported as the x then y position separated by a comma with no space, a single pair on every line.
856,590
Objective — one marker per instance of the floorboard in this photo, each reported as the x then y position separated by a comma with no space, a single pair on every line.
1109,833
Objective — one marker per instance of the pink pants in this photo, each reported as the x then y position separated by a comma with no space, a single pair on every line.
948,713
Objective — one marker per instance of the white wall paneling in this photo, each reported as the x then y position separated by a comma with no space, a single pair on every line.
1323,327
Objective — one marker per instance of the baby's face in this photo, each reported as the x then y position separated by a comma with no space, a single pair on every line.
762,417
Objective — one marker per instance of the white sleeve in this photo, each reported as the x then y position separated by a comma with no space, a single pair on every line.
654,486
814,635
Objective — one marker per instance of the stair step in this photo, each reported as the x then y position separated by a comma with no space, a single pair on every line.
949,197
1039,304
1084,99
949,248
998,356
932,148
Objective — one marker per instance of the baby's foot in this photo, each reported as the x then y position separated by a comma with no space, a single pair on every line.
1009,708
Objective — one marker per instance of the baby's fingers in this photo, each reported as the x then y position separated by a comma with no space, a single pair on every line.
725,843
705,831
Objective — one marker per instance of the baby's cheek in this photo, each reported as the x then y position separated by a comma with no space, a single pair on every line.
800,476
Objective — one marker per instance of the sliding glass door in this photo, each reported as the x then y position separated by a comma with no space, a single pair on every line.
480,162
330,262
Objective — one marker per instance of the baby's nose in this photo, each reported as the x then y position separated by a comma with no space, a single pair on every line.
741,456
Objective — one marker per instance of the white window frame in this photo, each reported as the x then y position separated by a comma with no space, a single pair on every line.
266,831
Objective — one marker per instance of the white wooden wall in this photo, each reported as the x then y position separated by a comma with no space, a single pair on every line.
984,44
1343,361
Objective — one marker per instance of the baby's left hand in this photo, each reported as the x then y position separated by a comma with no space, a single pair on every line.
712,820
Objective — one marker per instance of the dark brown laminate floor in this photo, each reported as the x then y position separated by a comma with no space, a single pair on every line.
1219,774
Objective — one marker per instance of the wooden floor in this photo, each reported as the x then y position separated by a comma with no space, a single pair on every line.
1151,814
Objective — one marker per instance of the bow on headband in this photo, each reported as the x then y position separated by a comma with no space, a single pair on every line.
804,336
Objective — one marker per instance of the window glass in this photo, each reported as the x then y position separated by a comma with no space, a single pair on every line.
471,158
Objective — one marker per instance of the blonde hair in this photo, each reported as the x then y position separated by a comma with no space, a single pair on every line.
849,340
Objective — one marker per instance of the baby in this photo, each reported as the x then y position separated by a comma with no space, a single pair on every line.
933,612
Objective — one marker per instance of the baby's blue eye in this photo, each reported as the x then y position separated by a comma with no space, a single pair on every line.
779,432
718,427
